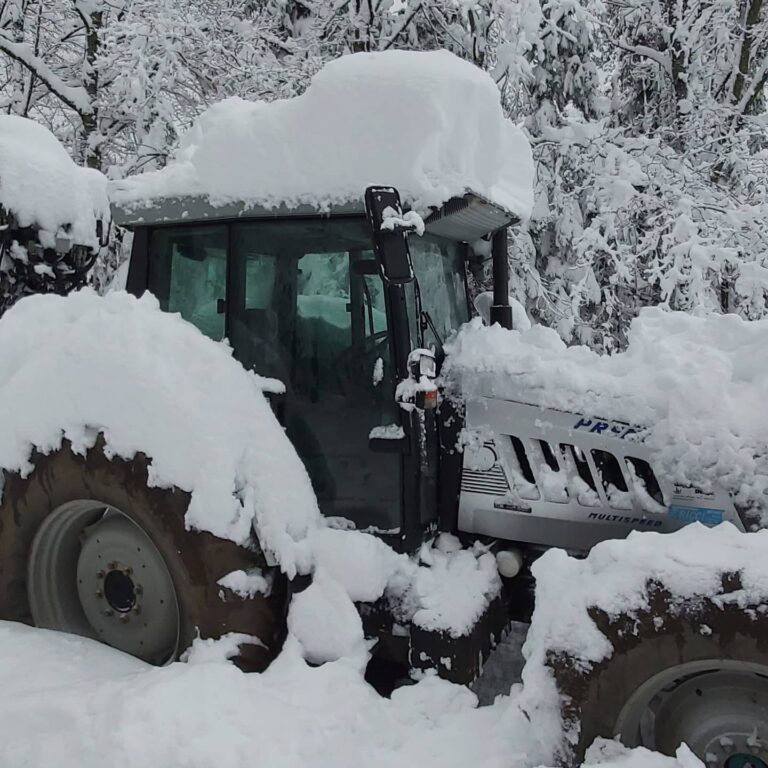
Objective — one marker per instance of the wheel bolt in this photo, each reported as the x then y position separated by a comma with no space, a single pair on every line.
128,571
112,566
108,612
124,618
99,593
138,589
100,575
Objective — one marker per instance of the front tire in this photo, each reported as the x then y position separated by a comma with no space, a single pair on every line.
86,546
678,673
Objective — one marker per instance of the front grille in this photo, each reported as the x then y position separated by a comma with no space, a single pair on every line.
491,483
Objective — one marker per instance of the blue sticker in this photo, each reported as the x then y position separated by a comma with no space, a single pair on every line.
704,515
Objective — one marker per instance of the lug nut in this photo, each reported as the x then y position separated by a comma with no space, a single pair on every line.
108,612
138,589
99,593
128,571
112,566
100,575
124,618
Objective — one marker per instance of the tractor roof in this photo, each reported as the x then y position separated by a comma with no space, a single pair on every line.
428,124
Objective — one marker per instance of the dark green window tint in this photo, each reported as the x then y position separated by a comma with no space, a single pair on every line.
188,274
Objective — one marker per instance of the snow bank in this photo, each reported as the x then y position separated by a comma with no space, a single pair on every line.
150,382
690,563
70,702
698,383
42,186
429,124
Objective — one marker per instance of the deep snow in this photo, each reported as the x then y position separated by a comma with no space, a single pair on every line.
427,123
71,702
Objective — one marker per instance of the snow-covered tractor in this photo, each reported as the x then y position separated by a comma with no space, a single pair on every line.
259,233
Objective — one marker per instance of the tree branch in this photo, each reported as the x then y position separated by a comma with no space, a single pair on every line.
75,98
661,58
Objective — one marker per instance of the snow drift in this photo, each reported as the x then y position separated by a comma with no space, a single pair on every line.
429,124
698,384
44,188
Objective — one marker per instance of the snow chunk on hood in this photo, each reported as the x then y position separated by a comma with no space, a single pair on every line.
698,384
427,123
151,382
42,186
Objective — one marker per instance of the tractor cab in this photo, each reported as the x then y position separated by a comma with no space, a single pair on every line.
313,300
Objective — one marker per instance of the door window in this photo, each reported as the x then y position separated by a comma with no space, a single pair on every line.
188,274
304,309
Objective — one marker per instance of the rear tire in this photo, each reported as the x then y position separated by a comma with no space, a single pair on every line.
73,510
678,673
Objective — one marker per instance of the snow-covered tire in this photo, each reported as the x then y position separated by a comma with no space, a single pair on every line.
75,512
693,672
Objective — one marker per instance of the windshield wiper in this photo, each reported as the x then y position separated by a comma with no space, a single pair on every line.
427,322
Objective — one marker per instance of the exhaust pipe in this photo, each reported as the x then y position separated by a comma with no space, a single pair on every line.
501,312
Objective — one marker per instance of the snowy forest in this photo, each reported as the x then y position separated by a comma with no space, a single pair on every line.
647,120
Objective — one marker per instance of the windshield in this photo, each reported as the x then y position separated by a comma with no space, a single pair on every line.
439,267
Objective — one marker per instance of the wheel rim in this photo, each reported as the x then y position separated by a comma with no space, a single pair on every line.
718,708
94,571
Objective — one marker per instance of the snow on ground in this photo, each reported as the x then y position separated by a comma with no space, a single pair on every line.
408,119
69,702
43,187
697,383
73,703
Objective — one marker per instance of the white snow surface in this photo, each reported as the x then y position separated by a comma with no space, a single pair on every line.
427,123
697,383
151,382
43,187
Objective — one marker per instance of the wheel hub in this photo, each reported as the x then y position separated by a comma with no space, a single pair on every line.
720,712
93,571
119,590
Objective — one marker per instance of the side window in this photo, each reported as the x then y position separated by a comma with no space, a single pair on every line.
188,274
439,268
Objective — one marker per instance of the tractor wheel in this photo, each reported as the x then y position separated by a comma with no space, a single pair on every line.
87,547
694,674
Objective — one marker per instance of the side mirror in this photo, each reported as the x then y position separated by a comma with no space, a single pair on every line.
390,243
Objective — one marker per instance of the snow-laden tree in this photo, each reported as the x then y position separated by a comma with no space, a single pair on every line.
647,123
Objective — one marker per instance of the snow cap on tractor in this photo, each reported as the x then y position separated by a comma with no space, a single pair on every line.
429,124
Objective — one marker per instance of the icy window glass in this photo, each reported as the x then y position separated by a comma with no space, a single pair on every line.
188,274
439,268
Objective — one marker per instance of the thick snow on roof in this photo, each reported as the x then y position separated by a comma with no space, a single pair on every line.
699,384
42,186
429,124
